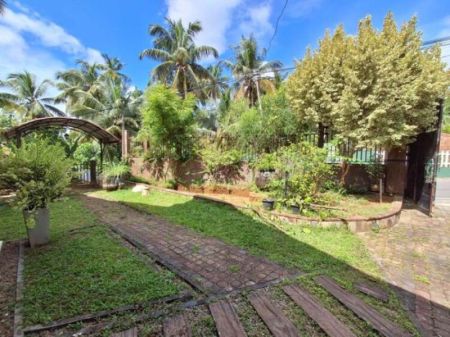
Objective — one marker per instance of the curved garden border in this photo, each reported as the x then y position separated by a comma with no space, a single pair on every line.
354,224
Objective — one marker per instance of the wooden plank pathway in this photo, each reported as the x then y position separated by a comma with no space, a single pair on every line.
373,291
227,321
325,319
176,327
362,309
127,333
273,317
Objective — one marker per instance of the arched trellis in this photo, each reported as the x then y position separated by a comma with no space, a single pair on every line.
104,137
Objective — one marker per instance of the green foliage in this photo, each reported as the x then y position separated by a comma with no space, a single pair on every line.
303,167
266,162
220,164
86,152
38,171
375,88
262,131
168,122
116,170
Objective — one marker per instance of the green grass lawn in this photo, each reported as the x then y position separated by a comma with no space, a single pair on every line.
314,250
82,271
334,252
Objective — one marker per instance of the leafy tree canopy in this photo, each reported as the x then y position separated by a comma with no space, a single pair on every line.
375,88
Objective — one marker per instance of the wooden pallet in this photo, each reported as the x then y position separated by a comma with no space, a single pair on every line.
227,321
273,317
362,309
127,333
311,305
176,327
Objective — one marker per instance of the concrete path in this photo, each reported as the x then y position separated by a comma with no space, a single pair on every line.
207,263
443,191
415,257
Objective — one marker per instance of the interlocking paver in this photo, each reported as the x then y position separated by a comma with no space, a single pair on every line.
209,264
415,257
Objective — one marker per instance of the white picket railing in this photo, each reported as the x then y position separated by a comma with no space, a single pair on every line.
444,159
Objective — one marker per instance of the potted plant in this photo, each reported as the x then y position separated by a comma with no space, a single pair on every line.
113,174
268,204
38,172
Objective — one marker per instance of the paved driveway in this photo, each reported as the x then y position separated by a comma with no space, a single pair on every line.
443,191
415,257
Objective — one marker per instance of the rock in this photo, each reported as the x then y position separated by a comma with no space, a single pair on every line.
140,188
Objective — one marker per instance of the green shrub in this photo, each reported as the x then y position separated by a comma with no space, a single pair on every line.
302,173
116,170
38,171
220,164
86,152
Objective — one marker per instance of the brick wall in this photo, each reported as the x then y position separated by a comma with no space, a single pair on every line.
445,142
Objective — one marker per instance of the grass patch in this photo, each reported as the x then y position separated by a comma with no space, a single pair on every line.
312,250
330,251
65,214
83,271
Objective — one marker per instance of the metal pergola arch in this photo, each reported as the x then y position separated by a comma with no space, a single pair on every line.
104,137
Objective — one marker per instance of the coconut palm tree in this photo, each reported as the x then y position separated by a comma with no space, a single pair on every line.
112,67
72,81
114,106
216,85
255,76
175,48
26,97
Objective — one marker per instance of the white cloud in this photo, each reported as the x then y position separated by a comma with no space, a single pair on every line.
30,42
256,21
224,21
216,18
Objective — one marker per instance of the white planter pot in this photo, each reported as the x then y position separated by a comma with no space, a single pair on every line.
38,224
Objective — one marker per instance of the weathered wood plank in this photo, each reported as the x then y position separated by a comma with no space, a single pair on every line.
311,305
176,327
86,317
127,333
372,290
227,321
273,317
362,309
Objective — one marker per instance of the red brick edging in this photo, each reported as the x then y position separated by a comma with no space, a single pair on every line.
354,224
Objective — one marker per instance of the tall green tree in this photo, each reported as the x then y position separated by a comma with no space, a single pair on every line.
168,123
175,48
254,74
375,88
27,98
114,106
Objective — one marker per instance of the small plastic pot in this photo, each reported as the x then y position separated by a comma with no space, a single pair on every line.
268,204
295,209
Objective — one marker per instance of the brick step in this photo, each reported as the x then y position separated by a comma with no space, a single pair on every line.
176,327
311,305
273,317
362,309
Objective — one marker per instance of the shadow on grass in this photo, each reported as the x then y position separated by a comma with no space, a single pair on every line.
314,251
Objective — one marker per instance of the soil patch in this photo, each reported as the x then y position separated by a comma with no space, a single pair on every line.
9,255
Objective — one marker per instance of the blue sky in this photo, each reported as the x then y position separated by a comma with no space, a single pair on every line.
44,36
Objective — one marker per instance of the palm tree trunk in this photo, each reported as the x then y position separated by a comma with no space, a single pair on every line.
258,94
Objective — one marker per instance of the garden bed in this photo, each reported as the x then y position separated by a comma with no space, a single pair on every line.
359,213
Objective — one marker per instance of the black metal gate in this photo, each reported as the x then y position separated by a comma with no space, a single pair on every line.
422,167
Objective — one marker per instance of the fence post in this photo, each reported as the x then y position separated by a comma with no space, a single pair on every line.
93,172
